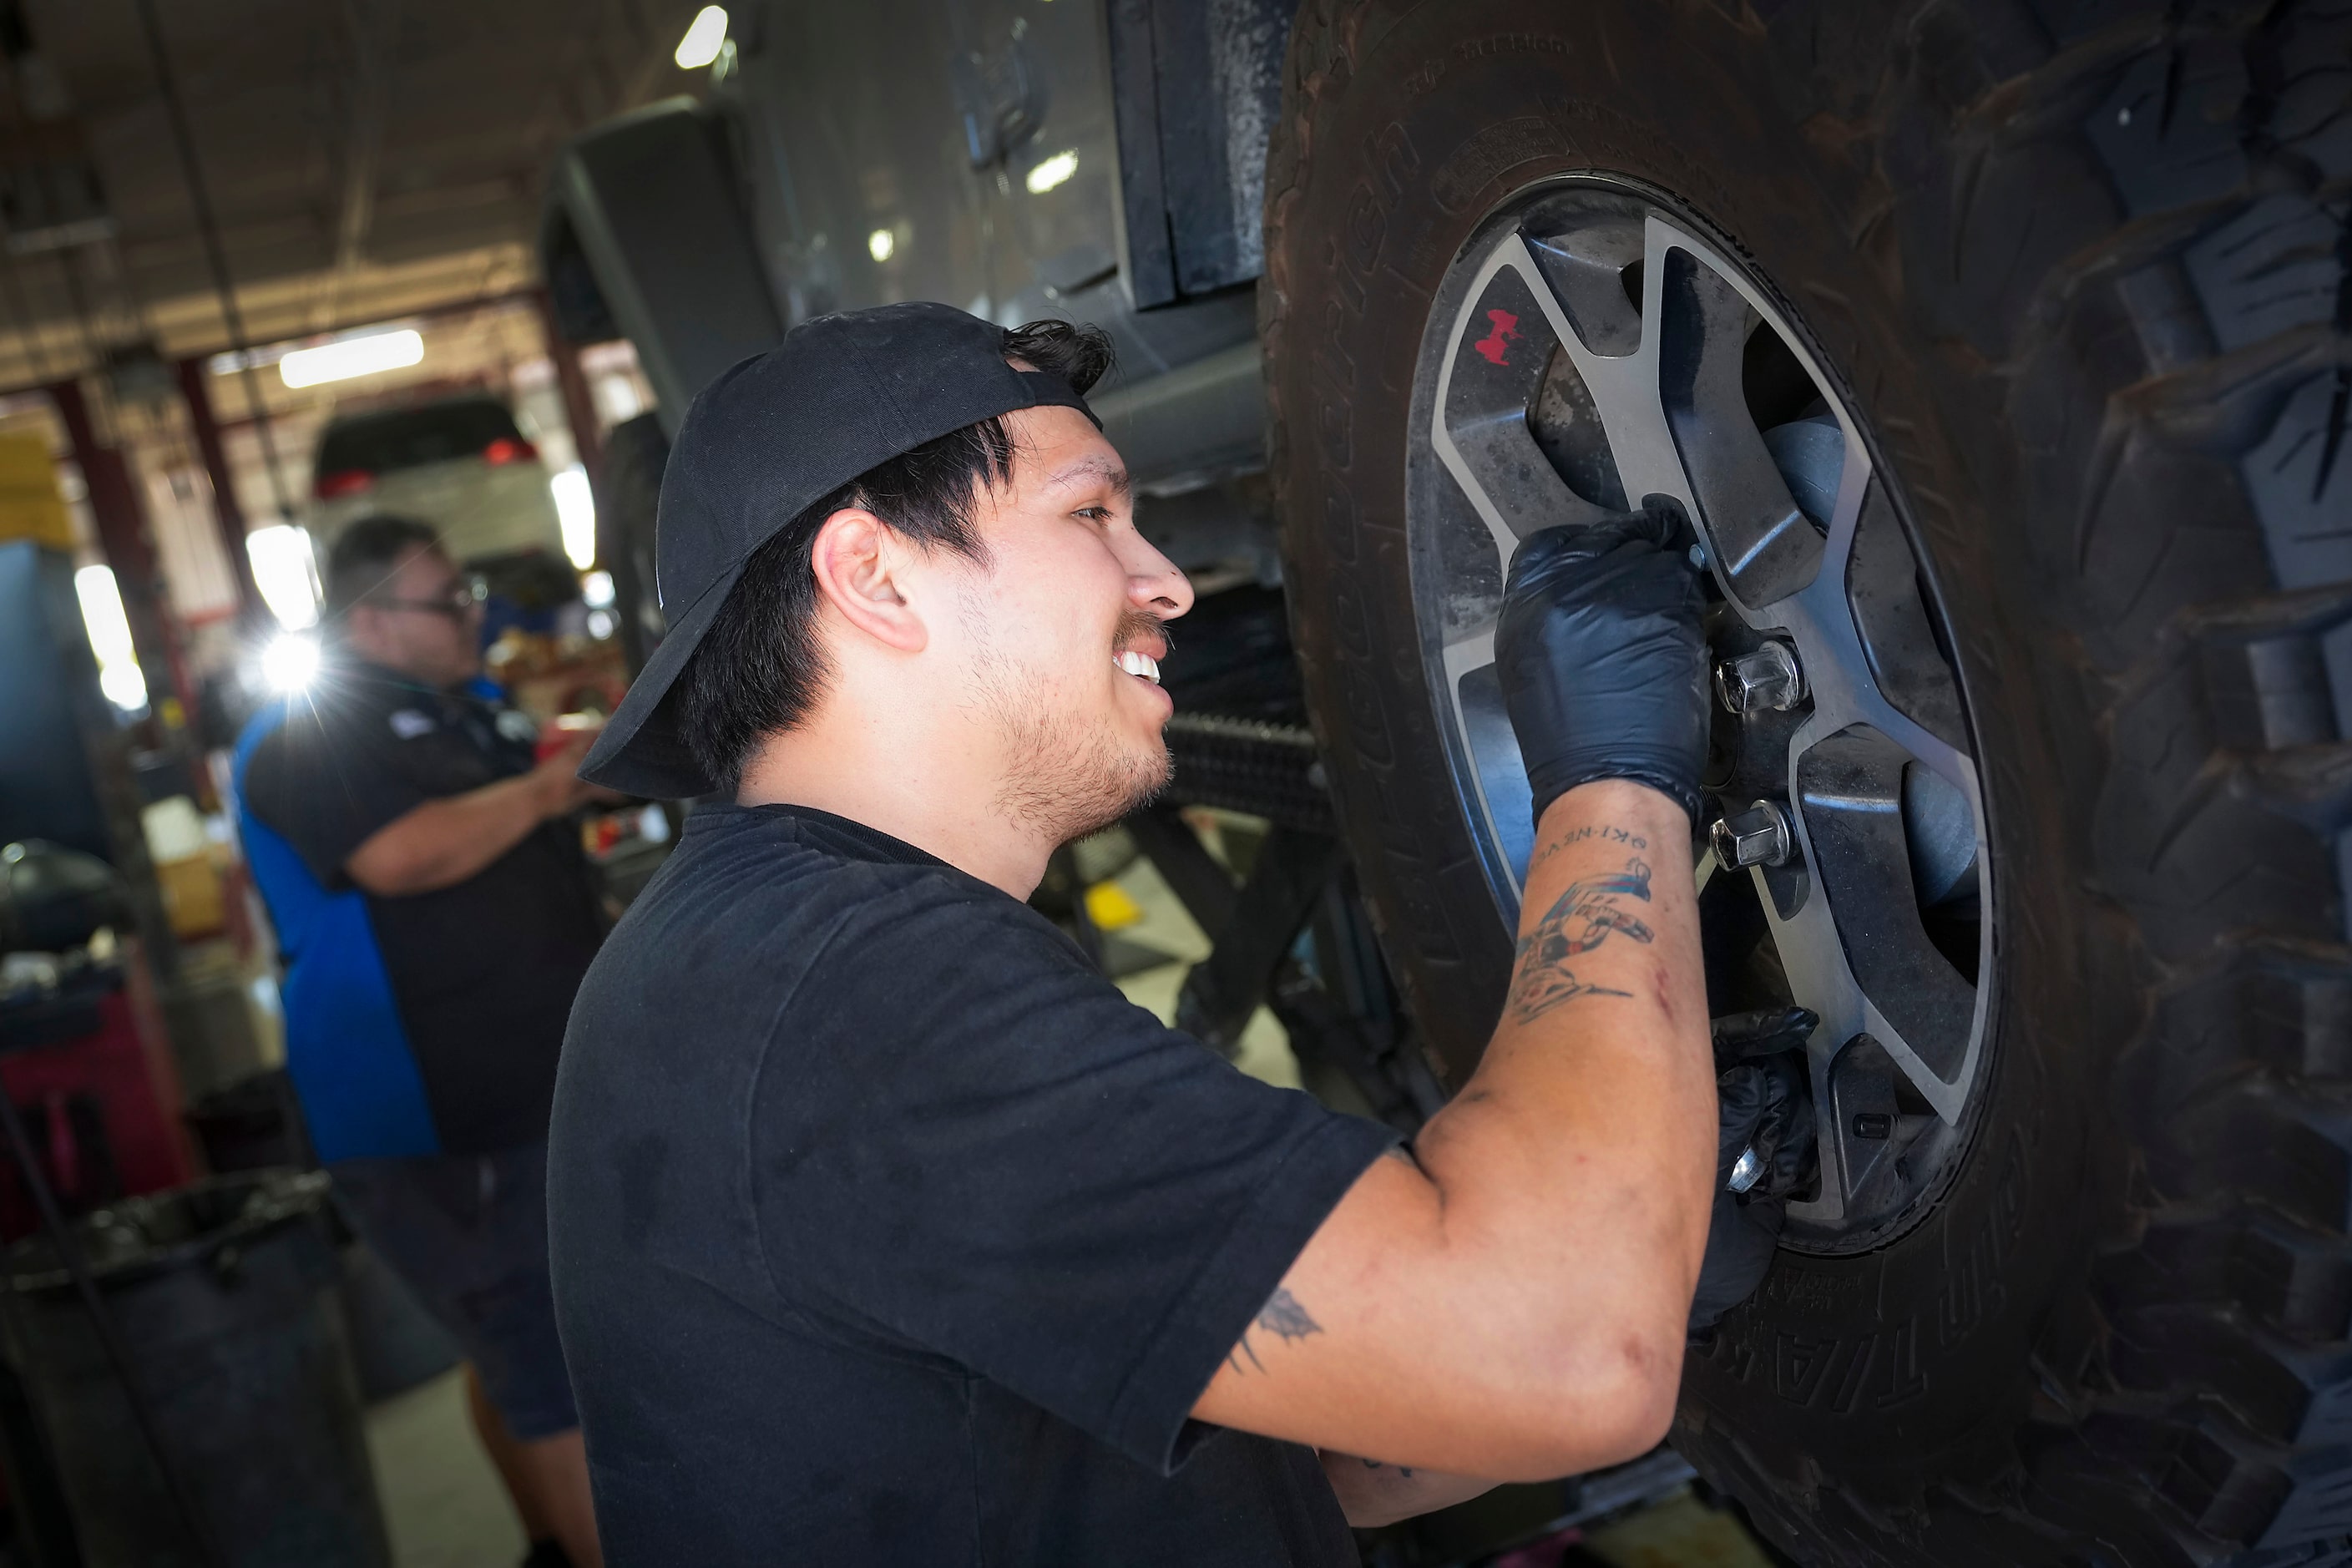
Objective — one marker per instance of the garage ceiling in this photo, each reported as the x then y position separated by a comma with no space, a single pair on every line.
365,158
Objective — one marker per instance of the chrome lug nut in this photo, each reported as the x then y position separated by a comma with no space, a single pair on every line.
1768,677
1757,835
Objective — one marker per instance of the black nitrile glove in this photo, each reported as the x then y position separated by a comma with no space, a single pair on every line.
1602,660
1764,1104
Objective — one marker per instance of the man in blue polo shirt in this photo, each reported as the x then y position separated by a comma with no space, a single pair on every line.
436,916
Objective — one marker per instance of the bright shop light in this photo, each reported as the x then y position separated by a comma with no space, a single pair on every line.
102,615
1051,172
109,627
371,353
575,509
286,571
880,244
124,686
596,590
703,37
290,662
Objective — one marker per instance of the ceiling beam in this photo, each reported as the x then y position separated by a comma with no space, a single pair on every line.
373,27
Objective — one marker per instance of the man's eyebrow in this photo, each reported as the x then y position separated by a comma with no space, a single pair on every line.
1092,468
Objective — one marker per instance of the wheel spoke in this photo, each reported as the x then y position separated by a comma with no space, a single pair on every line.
1502,342
1622,378
1497,776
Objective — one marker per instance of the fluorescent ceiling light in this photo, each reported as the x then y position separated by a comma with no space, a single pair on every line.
576,509
1051,172
110,638
880,244
347,357
124,686
287,572
101,614
703,38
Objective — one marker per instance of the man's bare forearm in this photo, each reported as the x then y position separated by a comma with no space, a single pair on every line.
1591,1117
1508,1299
445,842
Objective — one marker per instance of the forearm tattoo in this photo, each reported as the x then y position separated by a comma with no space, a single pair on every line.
1587,834
1579,920
1282,1317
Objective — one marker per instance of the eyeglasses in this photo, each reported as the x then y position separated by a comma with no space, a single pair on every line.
462,600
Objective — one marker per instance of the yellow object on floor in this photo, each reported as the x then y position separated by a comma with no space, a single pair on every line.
1109,906
1676,1531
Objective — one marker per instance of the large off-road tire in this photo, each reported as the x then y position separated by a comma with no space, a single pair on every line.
2083,269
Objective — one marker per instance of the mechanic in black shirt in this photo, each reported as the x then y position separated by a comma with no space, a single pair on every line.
436,914
885,1230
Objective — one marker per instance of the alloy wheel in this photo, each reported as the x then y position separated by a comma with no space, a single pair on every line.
1593,348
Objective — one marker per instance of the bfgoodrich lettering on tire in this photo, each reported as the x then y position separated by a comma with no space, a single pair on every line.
2064,289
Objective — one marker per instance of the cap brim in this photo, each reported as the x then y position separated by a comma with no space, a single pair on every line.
641,751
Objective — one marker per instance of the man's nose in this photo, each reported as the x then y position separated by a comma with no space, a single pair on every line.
1154,584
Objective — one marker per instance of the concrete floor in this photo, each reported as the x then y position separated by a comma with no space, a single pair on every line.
442,1500
1165,928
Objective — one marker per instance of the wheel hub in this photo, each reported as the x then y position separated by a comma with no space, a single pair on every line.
1591,349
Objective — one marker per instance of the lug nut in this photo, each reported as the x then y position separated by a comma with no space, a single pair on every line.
1755,836
1768,677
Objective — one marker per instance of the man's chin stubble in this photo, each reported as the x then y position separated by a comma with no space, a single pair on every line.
1062,792
1064,777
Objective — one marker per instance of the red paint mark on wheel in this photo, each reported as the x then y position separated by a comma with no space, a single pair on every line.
1506,329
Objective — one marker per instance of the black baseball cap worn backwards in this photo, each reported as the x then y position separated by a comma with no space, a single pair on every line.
767,441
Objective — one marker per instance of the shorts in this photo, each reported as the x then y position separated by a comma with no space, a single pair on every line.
467,1233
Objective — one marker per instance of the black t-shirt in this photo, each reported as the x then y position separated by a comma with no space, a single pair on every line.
482,972
885,1230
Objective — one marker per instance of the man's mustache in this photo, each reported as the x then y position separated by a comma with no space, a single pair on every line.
1134,623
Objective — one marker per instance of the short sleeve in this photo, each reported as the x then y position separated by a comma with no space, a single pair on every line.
326,791
976,1141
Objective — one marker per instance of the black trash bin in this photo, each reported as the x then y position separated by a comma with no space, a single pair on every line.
225,1292
253,1124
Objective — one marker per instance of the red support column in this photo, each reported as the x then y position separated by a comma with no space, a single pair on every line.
579,408
228,515
122,537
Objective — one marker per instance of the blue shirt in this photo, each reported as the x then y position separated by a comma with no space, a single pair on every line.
425,1023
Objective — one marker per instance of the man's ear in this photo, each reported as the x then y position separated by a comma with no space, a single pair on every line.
857,559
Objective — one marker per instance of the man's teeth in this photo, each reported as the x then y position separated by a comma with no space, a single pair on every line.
1141,664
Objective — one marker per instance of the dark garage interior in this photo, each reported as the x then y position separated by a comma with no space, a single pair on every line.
409,409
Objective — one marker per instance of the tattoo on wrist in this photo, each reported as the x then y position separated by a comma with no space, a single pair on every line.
1284,1318
1591,832
1404,1470
1579,920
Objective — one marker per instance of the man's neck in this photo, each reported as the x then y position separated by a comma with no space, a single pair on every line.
836,766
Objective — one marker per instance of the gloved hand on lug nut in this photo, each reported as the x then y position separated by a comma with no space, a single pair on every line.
1765,1148
1602,659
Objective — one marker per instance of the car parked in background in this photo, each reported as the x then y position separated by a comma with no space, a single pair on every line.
461,464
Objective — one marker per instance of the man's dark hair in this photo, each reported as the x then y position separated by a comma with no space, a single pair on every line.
760,668
368,553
